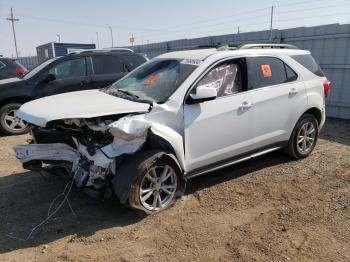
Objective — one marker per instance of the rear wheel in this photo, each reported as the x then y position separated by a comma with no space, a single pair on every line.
10,124
304,137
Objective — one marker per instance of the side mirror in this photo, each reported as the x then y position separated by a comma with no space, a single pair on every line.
49,78
203,93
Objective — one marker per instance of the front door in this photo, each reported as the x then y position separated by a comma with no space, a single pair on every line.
222,128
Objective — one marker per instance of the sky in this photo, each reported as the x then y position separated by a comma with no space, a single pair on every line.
80,21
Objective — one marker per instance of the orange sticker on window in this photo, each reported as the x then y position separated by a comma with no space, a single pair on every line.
266,70
149,81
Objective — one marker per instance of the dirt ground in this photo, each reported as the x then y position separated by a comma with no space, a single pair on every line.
268,209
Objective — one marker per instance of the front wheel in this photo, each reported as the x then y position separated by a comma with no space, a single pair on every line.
304,137
157,185
10,124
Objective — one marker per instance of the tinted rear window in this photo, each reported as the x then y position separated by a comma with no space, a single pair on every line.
107,65
268,71
134,60
309,63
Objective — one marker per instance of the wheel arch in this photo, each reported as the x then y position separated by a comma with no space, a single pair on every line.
316,112
16,99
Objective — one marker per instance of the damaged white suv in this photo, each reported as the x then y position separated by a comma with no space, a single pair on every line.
180,115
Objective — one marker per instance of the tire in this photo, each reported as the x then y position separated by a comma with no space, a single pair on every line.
304,137
157,181
9,124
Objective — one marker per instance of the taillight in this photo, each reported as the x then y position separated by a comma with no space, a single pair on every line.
327,88
21,71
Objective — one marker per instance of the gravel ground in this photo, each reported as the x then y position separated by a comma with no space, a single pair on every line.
268,209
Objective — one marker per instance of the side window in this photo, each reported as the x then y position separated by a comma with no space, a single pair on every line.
225,78
265,71
107,65
291,75
309,63
69,68
268,71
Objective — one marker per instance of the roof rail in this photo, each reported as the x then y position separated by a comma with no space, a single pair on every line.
262,46
219,46
226,47
113,49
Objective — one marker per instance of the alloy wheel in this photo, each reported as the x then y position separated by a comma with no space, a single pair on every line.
13,122
158,187
306,137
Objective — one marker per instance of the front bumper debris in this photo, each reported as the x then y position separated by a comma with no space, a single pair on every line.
56,151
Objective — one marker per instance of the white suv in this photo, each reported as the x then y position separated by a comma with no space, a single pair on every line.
178,116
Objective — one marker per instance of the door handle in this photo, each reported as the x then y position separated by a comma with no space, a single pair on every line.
245,106
83,82
293,91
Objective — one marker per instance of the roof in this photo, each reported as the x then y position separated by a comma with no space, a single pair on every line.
199,54
202,54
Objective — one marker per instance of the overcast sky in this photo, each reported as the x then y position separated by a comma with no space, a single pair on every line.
78,21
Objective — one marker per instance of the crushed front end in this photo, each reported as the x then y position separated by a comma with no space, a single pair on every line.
87,149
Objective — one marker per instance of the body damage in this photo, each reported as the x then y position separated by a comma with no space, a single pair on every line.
91,149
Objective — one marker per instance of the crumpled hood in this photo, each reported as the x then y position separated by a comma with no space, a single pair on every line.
81,104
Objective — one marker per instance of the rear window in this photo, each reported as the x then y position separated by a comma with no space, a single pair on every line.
107,65
134,60
309,63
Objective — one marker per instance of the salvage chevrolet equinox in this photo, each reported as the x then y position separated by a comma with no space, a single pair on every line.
180,115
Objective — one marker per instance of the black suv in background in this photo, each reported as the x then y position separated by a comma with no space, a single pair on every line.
11,68
89,69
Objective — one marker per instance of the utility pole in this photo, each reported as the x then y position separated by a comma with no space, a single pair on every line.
238,30
13,20
111,29
59,38
271,24
98,40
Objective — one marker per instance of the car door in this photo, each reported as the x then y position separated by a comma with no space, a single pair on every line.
106,69
280,99
219,129
66,76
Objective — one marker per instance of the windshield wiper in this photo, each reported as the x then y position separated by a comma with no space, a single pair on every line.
128,93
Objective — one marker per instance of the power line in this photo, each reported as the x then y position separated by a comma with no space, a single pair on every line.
313,8
237,21
255,24
300,3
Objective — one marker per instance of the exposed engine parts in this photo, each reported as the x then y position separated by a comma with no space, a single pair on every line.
89,147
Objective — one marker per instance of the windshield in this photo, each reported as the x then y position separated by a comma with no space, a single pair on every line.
38,68
154,81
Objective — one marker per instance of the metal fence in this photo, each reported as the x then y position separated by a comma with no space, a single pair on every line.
329,44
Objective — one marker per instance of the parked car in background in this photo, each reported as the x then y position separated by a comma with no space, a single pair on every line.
178,116
11,68
88,69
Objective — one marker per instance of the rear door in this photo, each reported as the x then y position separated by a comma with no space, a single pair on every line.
70,75
280,99
106,69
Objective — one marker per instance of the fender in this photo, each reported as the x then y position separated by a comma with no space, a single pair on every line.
132,127
174,139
